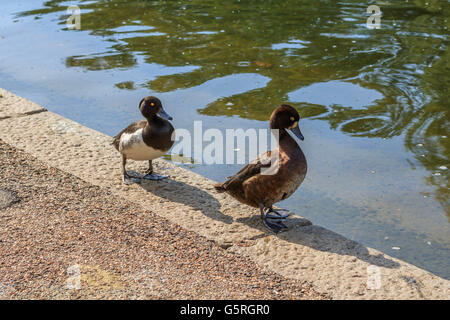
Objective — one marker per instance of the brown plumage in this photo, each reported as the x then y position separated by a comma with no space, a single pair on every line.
255,189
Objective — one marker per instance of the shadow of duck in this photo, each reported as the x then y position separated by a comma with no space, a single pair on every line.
189,195
322,239
301,231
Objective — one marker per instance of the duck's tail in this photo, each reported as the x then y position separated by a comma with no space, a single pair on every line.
115,143
219,187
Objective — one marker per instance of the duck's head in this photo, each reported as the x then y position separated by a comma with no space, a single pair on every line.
151,106
285,118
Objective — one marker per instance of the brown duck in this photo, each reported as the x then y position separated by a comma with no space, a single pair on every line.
273,176
146,139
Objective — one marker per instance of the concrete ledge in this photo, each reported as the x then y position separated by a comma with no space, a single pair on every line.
332,263
13,106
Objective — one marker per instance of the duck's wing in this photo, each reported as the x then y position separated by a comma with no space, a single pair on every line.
130,129
253,168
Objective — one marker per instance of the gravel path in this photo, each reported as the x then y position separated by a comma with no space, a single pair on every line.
59,225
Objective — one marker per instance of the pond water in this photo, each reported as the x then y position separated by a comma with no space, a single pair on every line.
374,102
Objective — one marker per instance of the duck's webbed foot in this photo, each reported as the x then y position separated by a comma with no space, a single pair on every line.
128,180
278,214
126,177
274,225
150,175
272,222
154,176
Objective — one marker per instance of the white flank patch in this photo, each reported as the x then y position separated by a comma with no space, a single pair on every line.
132,145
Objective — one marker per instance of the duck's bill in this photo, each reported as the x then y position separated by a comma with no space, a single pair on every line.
296,132
163,114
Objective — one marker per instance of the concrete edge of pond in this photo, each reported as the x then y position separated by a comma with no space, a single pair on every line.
332,263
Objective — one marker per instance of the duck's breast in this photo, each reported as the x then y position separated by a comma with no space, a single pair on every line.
292,184
132,145
292,173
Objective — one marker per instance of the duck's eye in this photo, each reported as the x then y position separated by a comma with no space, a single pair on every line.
152,104
292,118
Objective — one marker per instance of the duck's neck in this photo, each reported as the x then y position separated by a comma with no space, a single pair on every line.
288,145
154,126
154,120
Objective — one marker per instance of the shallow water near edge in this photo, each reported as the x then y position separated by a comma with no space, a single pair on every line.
374,103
